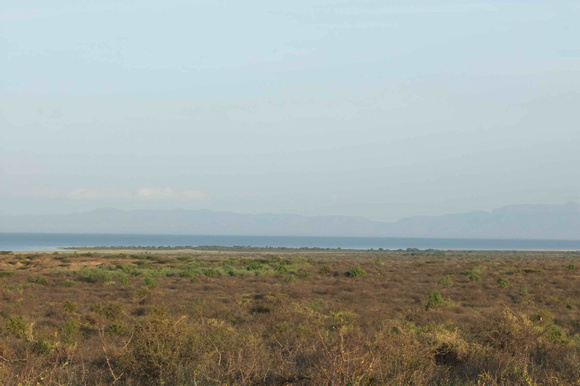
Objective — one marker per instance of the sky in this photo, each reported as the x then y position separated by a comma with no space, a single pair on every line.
380,109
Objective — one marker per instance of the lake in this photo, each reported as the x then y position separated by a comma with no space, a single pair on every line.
52,241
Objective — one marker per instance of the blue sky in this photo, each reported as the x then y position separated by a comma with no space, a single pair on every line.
370,108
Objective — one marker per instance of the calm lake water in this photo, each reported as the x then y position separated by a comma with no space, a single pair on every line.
52,241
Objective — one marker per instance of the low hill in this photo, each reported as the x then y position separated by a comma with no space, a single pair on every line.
515,221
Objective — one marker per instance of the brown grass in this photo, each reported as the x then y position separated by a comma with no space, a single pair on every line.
207,317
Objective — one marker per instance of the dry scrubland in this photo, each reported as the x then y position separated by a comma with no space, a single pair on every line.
290,317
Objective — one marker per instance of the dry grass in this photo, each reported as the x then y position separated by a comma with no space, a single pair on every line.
289,317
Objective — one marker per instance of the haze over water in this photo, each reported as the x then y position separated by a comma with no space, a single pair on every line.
51,242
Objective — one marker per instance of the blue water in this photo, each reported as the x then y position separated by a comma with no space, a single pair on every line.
52,241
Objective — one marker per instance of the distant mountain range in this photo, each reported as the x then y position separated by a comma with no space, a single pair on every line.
513,222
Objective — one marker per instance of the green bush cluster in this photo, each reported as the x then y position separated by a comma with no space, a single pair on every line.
474,274
434,300
70,307
357,271
446,281
17,325
504,283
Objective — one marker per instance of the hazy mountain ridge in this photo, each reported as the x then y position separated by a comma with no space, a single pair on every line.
514,221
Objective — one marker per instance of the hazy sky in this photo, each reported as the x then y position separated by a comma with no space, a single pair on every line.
382,109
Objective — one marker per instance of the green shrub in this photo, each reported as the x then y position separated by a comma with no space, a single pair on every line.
142,293
446,281
260,309
44,346
158,344
68,283
70,331
528,270
96,275
17,287
150,282
116,328
473,276
233,271
71,307
281,269
125,281
504,283
543,317
255,266
358,271
42,280
210,272
6,273
303,274
17,325
160,259
435,299
187,273
112,311
571,267
524,292
290,279
556,334
325,269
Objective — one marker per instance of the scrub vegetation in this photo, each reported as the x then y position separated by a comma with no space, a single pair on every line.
239,317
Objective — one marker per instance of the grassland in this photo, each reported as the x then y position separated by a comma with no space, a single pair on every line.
289,317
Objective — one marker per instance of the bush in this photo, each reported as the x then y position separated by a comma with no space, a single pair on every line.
435,299
17,325
42,280
150,282
71,307
324,269
358,271
187,273
282,269
158,344
112,311
524,292
6,273
504,283
571,267
528,270
290,279
96,275
556,334
116,328
260,309
255,266
473,276
70,331
44,346
210,272
142,293
125,281
446,281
